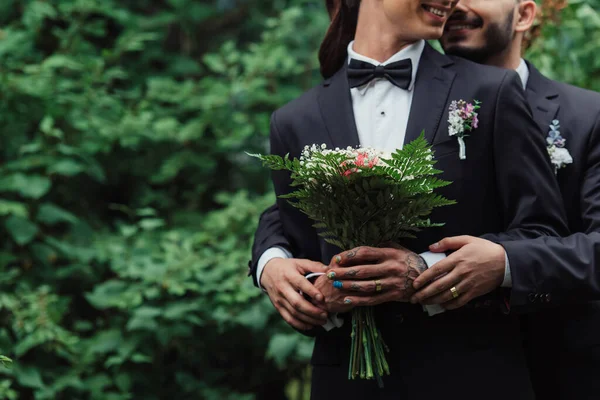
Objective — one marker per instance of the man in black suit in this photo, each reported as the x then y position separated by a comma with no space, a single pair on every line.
501,193
563,344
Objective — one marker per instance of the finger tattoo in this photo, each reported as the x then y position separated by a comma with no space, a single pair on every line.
352,253
351,273
355,287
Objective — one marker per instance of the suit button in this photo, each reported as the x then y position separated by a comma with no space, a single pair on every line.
532,297
400,318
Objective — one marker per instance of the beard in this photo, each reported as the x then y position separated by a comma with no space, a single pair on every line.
497,38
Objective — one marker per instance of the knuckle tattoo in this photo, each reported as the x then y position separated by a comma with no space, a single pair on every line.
351,273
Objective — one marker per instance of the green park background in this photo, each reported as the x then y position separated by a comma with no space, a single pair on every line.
128,206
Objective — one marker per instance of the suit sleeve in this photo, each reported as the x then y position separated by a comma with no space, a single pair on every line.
531,201
283,225
549,271
268,234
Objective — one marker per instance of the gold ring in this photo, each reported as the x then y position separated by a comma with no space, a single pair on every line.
454,292
377,285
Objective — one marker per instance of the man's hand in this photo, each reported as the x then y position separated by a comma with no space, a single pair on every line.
333,298
282,279
367,276
476,269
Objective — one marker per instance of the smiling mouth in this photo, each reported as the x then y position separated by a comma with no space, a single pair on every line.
459,22
440,12
460,27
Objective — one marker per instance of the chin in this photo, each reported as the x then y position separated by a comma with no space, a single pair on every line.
433,33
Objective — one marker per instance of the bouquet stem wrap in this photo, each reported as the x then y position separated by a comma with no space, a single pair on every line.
364,197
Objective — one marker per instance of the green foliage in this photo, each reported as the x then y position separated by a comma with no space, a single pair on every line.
567,49
126,205
126,208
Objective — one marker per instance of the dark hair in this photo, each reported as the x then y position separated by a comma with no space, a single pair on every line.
344,19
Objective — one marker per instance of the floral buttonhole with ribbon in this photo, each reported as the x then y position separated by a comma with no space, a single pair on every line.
463,118
559,155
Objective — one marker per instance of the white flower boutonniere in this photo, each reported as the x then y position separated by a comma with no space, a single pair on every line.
559,155
463,119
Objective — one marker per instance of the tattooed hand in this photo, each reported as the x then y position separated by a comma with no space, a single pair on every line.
367,276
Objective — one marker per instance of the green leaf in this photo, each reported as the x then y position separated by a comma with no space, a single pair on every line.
29,376
30,186
66,167
51,214
13,208
21,230
151,223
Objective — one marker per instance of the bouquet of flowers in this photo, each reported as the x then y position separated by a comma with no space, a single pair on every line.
364,197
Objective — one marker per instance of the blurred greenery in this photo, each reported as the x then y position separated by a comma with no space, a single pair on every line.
127,206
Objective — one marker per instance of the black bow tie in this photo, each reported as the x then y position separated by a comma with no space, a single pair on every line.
398,73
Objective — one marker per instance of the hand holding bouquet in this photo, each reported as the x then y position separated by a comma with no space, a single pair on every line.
364,197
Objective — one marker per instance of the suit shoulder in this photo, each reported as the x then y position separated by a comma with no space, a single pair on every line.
578,96
298,107
480,72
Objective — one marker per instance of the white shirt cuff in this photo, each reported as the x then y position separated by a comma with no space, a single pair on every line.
431,259
268,255
507,282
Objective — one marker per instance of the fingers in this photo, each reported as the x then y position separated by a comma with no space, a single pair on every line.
358,255
441,292
292,321
451,243
305,286
370,286
463,298
306,267
301,309
358,272
438,269
376,299
437,287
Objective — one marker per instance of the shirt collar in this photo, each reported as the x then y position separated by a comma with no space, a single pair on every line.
523,72
413,52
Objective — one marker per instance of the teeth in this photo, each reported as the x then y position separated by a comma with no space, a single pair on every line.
458,27
436,11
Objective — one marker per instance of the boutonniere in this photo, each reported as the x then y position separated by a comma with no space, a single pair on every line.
559,156
463,119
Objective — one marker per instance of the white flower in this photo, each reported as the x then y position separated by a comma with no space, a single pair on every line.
323,146
559,157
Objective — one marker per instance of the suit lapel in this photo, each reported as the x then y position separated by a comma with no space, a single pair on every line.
335,102
432,87
542,99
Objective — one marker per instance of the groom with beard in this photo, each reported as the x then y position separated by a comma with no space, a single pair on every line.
562,344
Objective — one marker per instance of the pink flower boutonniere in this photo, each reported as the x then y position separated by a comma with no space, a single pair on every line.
463,119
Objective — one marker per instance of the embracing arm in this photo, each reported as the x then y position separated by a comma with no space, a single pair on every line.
553,270
531,201
530,207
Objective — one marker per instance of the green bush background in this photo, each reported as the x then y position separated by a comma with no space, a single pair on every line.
127,206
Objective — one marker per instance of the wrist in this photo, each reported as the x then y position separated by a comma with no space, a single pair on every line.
264,278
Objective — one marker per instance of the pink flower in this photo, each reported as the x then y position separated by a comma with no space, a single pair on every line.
360,159
350,171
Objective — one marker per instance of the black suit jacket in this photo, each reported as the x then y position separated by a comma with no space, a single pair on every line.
563,343
504,189
550,270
